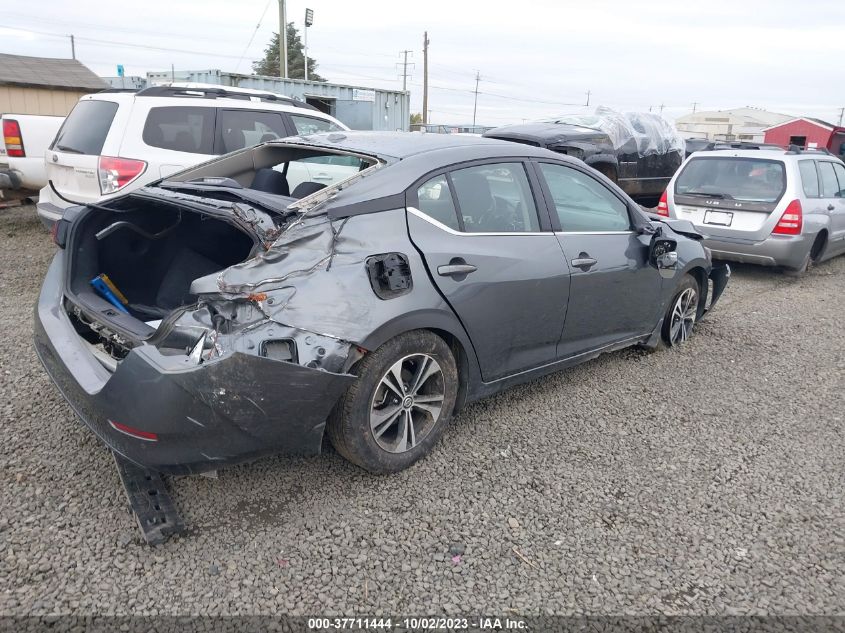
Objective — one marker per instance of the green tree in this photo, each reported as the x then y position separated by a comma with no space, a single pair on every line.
296,58
416,117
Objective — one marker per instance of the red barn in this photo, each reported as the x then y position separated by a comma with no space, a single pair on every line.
806,132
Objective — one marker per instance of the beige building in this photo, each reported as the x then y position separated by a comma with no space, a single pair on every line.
43,85
737,124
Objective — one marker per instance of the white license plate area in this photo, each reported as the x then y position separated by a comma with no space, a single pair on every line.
718,218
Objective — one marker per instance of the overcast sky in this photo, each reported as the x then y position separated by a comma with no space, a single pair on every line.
536,58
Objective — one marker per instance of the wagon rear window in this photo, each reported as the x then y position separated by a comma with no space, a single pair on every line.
86,127
735,178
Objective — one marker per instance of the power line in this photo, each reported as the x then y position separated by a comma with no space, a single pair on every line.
252,37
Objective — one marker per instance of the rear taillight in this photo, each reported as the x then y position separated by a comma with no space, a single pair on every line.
12,139
116,173
59,232
663,206
133,432
792,220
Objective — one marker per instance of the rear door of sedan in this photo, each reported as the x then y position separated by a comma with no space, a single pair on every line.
614,292
495,260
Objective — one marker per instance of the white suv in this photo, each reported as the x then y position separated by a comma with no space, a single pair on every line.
761,205
115,141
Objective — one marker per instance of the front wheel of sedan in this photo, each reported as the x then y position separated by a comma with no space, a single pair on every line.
397,409
682,313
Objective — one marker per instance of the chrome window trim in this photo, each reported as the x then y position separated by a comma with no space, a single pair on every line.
595,232
450,230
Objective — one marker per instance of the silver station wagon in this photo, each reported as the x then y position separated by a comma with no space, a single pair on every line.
763,206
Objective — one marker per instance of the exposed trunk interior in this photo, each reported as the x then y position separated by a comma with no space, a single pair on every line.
152,252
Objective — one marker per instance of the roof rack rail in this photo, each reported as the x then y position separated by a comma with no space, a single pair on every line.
204,92
716,145
795,149
107,90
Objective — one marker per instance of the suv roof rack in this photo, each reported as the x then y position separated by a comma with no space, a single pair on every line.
205,92
715,145
795,149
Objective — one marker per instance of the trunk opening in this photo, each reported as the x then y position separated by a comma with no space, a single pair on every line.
151,252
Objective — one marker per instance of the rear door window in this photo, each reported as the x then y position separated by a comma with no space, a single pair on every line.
245,128
809,178
435,200
312,125
181,129
830,185
86,127
495,198
734,178
840,177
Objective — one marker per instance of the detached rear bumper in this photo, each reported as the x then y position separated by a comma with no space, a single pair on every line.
193,418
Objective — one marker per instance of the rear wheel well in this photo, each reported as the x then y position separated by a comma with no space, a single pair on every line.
461,361
818,244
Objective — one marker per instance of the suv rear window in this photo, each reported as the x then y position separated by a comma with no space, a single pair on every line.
181,129
749,179
86,127
809,178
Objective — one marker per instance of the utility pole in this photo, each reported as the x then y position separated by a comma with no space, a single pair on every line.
661,108
694,106
283,41
425,78
841,115
405,70
588,98
72,47
475,103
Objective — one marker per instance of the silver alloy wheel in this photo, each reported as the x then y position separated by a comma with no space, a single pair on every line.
683,317
407,403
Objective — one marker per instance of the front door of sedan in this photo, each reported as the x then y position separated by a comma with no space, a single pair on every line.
614,293
501,272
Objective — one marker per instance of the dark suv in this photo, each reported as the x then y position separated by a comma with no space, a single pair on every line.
639,151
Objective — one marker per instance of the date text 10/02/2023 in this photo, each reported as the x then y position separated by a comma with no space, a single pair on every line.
416,623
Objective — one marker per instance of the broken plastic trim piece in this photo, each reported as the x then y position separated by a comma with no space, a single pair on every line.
309,203
150,502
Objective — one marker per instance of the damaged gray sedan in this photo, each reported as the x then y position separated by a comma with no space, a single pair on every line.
221,314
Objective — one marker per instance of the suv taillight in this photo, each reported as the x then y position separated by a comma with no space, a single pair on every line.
663,206
792,220
115,173
12,139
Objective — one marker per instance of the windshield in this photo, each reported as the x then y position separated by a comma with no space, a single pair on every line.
748,179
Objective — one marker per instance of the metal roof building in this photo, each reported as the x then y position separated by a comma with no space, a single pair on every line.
44,85
358,107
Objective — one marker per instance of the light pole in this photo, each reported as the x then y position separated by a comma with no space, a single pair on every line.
309,20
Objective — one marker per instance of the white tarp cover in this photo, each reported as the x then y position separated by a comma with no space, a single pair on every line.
651,133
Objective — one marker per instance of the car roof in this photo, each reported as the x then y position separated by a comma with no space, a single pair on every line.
392,146
121,96
409,157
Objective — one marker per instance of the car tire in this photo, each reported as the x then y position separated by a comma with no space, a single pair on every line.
682,313
384,422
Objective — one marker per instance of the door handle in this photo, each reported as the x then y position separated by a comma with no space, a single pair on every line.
584,262
830,207
455,270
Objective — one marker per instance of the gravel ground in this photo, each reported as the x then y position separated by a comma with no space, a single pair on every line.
702,480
